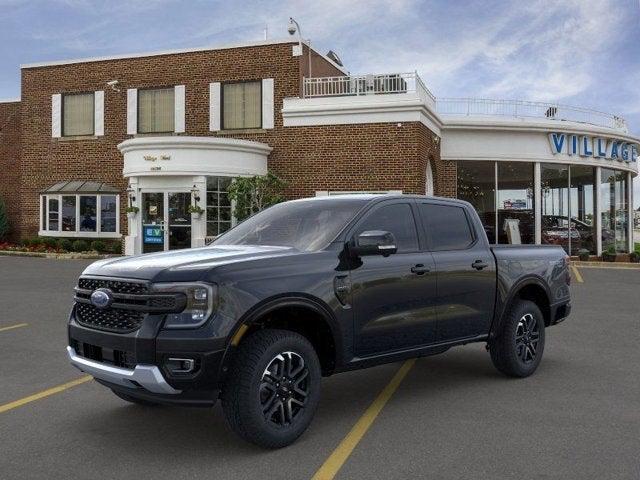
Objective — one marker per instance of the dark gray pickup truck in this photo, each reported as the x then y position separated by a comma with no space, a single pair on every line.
309,288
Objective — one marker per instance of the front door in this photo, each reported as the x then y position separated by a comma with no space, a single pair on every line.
166,221
394,297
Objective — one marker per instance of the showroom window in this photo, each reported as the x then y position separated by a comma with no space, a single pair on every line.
515,203
156,110
477,185
555,205
218,206
241,105
79,215
582,207
614,190
78,114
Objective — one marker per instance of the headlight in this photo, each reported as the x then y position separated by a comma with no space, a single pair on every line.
201,302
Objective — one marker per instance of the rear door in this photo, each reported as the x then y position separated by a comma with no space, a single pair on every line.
394,296
466,271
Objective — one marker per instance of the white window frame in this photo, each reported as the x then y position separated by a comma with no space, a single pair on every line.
330,193
96,115
44,215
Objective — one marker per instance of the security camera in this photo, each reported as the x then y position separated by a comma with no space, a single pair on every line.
292,27
112,84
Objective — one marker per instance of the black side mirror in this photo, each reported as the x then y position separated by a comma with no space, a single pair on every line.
374,242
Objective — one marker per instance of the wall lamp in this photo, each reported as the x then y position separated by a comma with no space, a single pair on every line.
195,193
132,194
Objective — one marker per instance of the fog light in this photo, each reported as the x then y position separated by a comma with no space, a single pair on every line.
180,365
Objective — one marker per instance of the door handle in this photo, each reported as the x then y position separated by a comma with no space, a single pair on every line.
420,269
479,265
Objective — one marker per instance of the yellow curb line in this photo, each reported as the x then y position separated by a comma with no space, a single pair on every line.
576,273
19,325
332,465
45,393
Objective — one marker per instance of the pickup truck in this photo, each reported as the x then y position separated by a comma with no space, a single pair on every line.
305,289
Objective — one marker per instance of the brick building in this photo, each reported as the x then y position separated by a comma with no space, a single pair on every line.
162,131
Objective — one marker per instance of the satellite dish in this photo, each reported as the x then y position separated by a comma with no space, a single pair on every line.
334,56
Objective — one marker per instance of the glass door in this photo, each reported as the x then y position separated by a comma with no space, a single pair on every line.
153,222
179,220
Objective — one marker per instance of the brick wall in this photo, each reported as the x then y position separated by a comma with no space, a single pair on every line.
9,160
444,171
340,157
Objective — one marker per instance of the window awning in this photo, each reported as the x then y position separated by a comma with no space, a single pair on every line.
81,186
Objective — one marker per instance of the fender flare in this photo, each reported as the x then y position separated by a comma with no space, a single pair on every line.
513,291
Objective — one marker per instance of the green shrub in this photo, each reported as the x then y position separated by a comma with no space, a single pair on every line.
115,247
35,241
49,242
98,246
65,244
25,242
80,246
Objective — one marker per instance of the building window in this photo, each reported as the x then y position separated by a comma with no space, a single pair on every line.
613,204
477,185
77,215
515,203
241,105
78,114
218,206
156,110
582,206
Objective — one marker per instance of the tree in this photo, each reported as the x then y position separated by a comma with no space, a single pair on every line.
4,221
252,194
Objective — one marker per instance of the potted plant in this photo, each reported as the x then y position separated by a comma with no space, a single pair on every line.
195,211
583,255
609,255
634,257
132,211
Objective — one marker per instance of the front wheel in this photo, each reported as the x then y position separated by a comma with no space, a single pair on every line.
272,388
518,346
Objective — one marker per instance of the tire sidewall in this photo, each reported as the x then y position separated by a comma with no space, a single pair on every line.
509,335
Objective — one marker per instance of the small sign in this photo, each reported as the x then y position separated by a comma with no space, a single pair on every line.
153,210
153,234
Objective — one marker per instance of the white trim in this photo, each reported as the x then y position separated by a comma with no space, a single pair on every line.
598,212
268,107
630,242
215,117
429,188
77,233
331,193
10,100
175,52
132,111
537,203
98,113
56,115
91,235
179,109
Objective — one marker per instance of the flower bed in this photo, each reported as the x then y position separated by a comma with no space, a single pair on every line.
48,245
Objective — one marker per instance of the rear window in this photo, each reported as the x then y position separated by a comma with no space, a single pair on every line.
446,226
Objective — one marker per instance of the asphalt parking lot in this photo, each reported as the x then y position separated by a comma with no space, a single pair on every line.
452,416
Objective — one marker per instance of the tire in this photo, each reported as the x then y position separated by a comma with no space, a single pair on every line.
130,399
272,389
518,346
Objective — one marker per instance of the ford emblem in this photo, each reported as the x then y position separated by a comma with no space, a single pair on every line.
102,298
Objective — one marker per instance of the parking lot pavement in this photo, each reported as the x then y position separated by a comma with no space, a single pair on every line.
452,416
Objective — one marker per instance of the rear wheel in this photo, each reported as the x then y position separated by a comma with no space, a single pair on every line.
518,346
130,399
272,389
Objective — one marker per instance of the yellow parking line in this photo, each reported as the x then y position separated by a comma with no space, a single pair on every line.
43,394
576,273
332,465
2,329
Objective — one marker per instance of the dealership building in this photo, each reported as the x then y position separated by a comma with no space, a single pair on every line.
167,130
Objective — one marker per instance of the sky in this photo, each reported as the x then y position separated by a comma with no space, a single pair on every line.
577,52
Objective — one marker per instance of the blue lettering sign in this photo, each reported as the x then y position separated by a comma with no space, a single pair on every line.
624,151
586,147
634,153
573,146
601,147
153,234
557,142
614,150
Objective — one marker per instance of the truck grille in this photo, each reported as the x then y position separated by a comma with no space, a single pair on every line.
112,320
132,301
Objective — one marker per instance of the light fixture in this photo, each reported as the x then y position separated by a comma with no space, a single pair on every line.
195,193
132,194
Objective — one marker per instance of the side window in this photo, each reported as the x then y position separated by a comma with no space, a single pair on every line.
397,219
446,226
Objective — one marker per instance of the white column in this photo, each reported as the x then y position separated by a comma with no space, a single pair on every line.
630,211
199,225
537,202
598,210
133,241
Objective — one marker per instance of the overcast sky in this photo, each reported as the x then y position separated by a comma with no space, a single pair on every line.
581,52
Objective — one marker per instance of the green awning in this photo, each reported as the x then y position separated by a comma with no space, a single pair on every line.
81,186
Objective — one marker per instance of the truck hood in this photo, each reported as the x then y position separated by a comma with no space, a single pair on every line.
182,265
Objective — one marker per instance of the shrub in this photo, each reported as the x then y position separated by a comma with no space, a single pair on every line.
98,246
65,244
49,242
25,242
115,247
35,241
80,246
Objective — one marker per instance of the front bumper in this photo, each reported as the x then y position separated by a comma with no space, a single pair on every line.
148,377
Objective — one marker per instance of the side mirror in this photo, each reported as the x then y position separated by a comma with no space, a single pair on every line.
374,242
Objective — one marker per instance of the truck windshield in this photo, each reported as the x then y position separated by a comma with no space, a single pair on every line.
305,225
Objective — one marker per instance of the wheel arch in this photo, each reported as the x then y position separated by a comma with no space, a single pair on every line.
530,288
300,313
